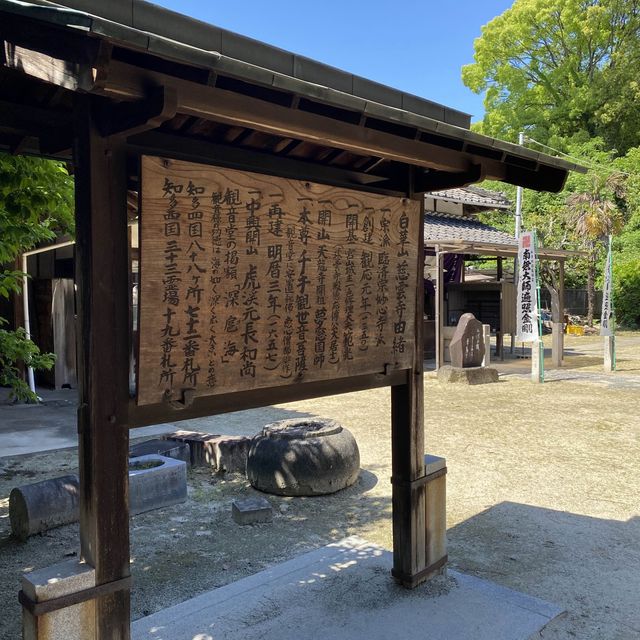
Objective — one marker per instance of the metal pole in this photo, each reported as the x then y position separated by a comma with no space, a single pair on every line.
27,324
519,196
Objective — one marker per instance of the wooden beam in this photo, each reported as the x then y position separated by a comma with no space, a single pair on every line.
407,454
141,416
103,358
130,118
60,72
29,119
128,82
436,180
194,150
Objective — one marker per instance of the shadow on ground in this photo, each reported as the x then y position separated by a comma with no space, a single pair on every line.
181,551
589,566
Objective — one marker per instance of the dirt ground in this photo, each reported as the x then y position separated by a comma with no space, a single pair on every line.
542,497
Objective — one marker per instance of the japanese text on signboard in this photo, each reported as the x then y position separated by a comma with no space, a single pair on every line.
251,281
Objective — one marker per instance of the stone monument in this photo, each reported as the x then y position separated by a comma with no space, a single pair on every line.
467,344
467,353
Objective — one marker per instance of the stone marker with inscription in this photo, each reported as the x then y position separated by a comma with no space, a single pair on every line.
467,353
467,345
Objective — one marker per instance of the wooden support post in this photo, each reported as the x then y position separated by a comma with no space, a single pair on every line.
515,281
557,348
486,332
499,272
102,280
537,361
609,353
439,308
407,458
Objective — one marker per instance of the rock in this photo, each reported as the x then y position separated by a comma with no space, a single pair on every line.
467,345
251,511
469,375
303,458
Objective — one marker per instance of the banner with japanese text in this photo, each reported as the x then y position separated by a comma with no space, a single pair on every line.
527,327
606,322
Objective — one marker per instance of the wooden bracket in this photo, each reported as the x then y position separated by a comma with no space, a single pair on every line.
188,396
435,180
418,482
130,118
55,604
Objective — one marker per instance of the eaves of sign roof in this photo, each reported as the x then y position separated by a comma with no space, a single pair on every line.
149,43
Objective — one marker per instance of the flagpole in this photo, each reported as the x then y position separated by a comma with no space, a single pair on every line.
613,311
607,319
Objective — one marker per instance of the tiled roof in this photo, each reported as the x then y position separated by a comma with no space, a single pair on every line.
443,227
474,196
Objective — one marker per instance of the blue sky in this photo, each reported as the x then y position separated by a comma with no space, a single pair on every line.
415,46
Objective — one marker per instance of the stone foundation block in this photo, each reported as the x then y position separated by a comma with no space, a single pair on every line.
43,505
156,482
468,375
227,453
252,511
72,623
166,448
220,452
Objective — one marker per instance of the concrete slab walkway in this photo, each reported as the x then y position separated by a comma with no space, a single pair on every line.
50,425
345,592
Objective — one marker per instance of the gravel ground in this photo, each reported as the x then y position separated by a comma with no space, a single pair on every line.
542,497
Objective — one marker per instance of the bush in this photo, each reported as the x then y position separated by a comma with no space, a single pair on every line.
626,293
15,348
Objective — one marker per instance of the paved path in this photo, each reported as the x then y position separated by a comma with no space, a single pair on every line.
29,428
343,592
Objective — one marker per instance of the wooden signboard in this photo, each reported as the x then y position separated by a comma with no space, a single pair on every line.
250,281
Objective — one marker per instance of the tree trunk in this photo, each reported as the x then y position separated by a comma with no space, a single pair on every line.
556,315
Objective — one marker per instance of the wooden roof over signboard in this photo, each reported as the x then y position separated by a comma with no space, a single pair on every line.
167,80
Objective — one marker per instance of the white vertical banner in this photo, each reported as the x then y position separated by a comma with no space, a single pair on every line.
606,321
527,327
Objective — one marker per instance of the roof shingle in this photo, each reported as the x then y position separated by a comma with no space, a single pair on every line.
442,227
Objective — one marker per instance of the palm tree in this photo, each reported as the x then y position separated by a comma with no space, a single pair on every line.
594,215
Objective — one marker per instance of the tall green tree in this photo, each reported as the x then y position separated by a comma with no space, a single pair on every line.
561,69
594,215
